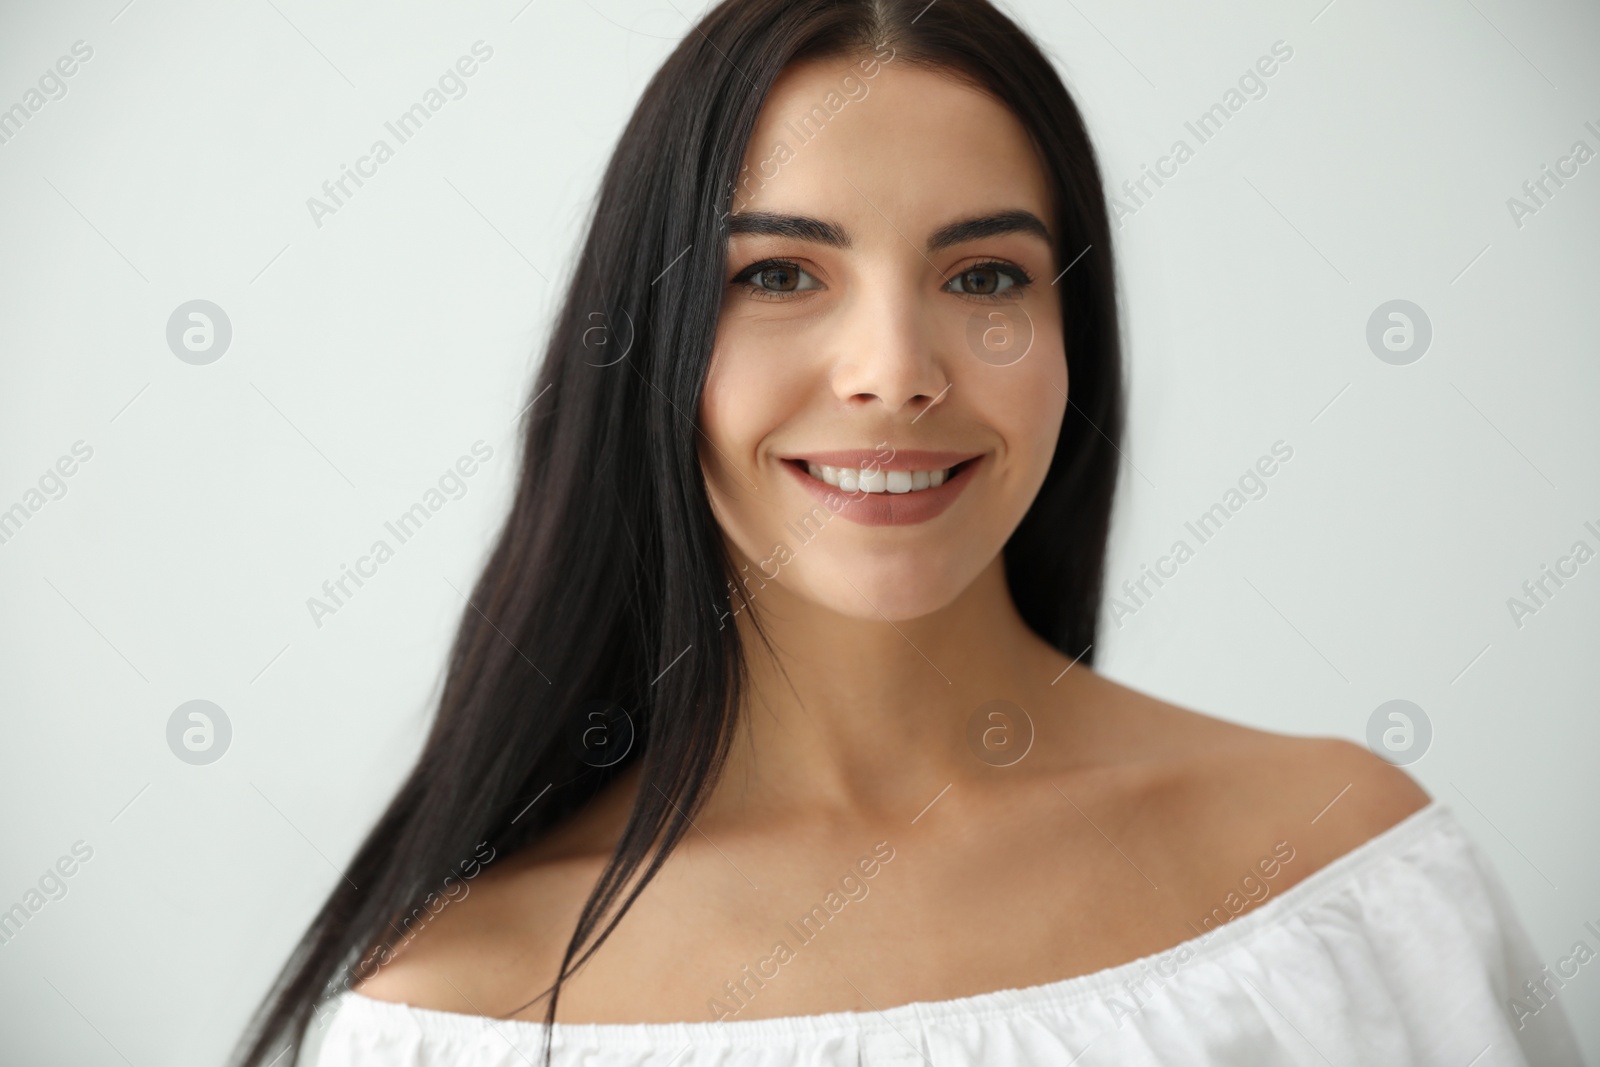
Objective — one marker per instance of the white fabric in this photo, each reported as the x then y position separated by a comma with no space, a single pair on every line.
1405,951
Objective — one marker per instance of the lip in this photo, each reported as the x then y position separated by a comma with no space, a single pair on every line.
887,509
904,459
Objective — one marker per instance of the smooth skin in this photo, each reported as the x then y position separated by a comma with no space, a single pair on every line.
1128,822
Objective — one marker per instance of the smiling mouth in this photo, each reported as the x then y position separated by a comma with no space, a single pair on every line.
876,479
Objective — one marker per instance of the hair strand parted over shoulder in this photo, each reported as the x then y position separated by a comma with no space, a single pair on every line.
610,568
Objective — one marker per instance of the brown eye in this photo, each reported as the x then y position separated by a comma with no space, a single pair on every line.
980,281
988,279
775,279
778,279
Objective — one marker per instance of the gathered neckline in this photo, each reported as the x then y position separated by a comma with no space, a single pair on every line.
1053,996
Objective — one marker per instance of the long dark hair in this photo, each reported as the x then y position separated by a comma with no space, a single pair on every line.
610,568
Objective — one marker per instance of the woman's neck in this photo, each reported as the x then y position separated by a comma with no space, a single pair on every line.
852,717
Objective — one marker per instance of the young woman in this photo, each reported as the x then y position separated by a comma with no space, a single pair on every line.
771,735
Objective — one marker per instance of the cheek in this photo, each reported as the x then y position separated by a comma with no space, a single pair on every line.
1049,398
1024,403
755,384
741,405
731,407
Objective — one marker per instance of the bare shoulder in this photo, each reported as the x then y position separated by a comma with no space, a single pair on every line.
1328,794
1227,793
483,953
496,947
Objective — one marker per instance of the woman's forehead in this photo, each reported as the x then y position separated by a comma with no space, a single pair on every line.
835,141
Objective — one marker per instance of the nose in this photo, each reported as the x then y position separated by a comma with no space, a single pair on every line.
888,353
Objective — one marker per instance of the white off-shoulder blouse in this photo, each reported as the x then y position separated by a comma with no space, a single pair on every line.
1401,953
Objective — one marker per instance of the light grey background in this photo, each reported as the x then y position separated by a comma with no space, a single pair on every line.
369,352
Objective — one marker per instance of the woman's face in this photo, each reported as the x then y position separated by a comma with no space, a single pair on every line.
889,312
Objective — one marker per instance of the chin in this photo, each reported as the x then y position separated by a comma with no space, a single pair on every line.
896,593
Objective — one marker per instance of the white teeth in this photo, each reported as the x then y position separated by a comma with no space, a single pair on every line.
876,480
823,473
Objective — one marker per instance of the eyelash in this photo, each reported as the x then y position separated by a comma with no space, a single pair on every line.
1020,279
743,279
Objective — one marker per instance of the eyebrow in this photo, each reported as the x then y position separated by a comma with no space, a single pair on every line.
820,231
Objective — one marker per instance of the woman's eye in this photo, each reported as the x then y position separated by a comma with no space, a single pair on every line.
776,278
986,279
779,279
